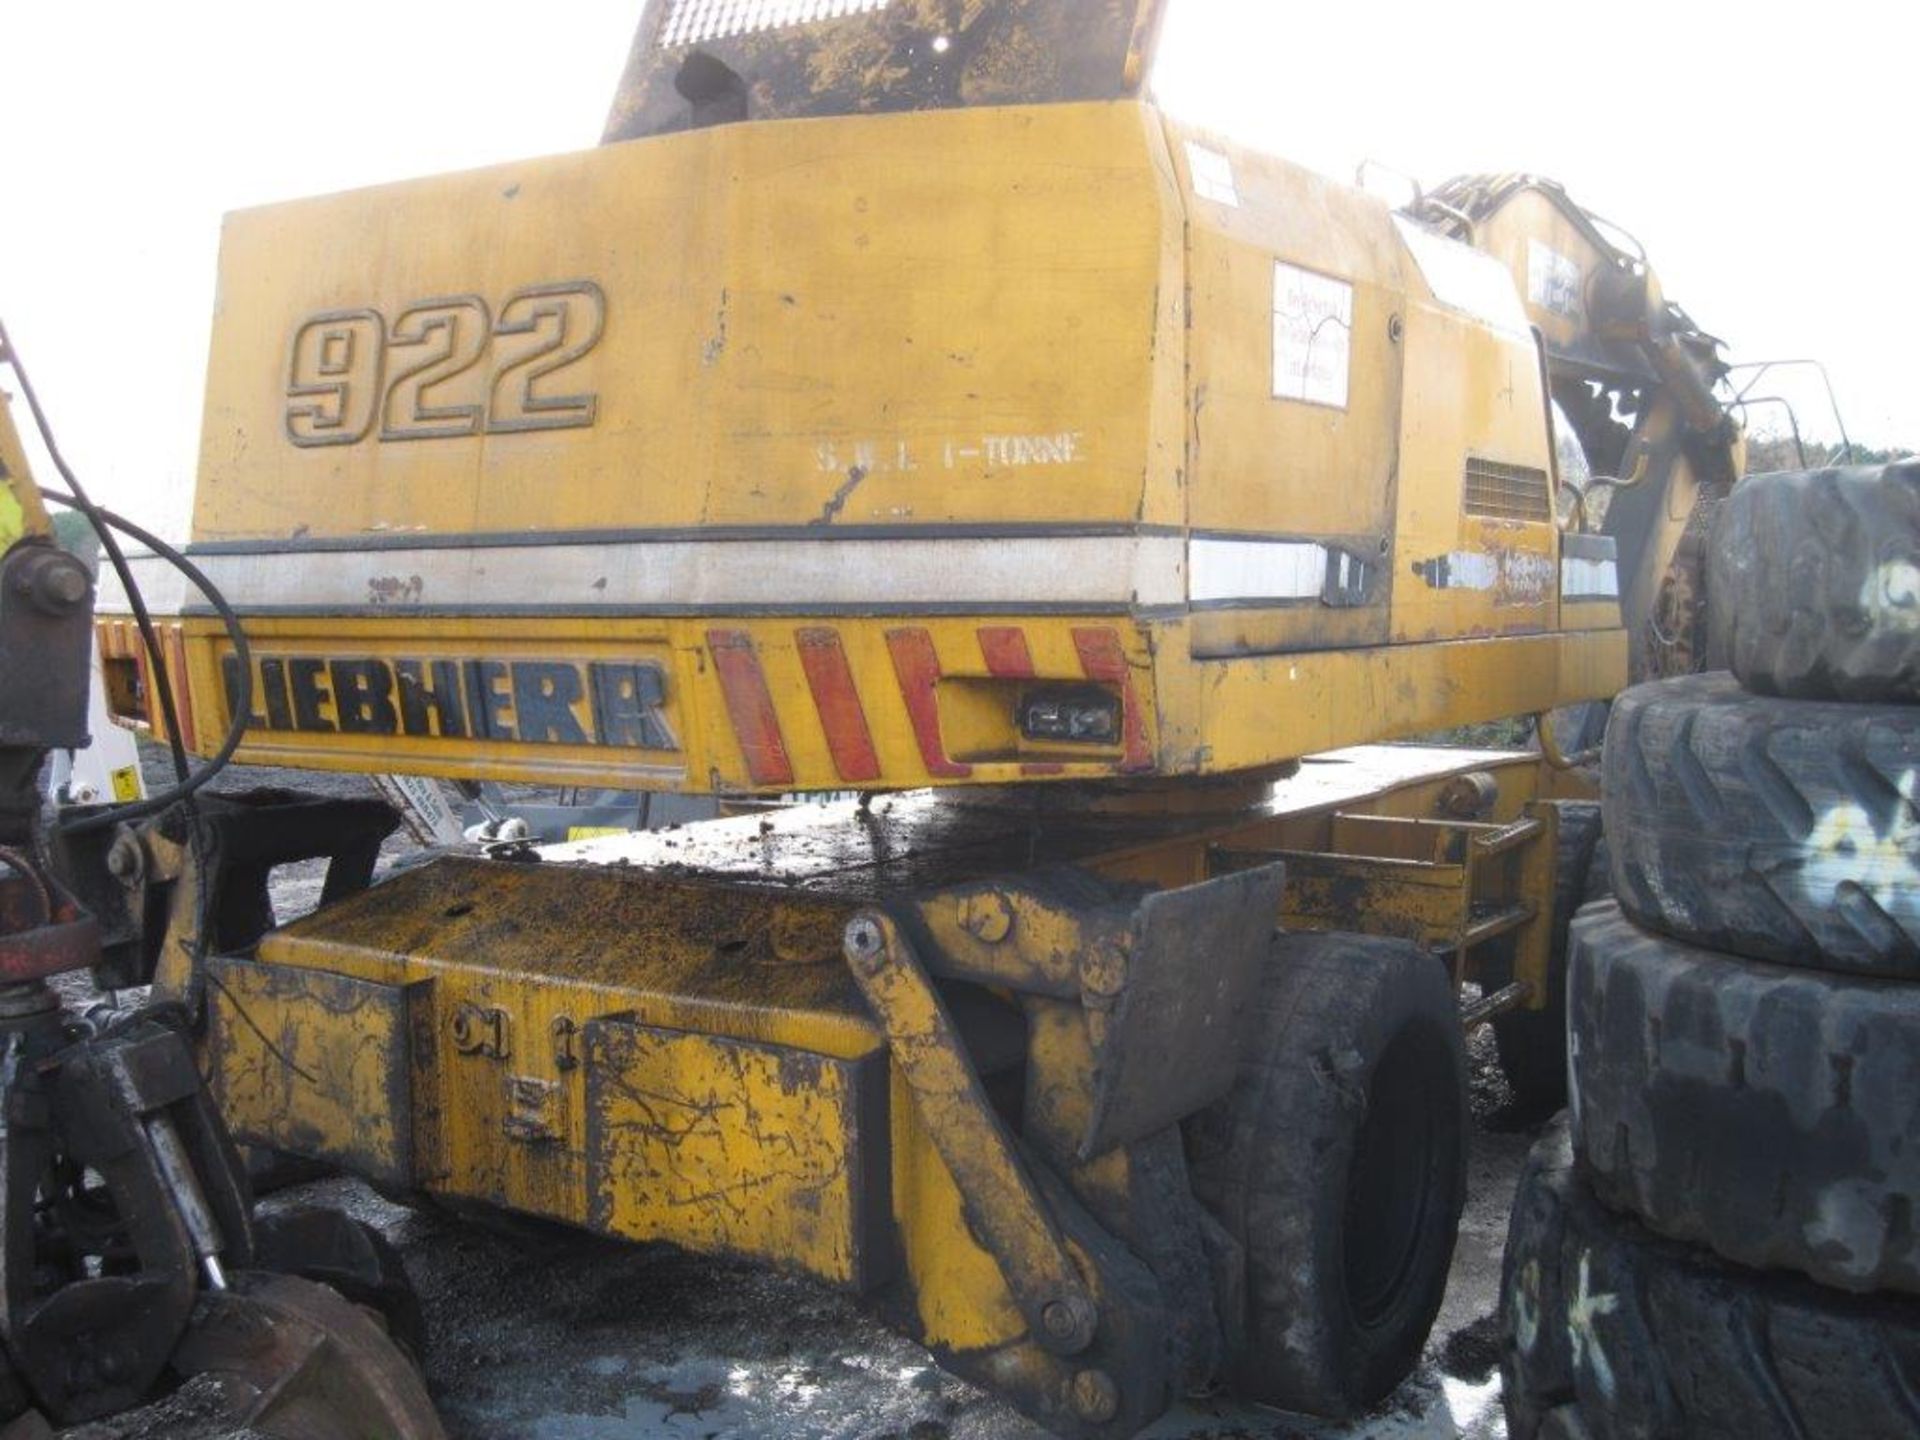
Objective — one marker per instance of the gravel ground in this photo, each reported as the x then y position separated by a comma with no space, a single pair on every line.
549,1334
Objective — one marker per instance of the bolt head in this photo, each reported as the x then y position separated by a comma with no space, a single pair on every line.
126,860
987,916
64,585
1068,1324
1096,1398
52,581
866,943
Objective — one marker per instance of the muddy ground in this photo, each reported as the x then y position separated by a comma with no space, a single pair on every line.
547,1334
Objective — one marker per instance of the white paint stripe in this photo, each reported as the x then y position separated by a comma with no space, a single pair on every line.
1153,570
689,574
1256,570
164,588
1589,579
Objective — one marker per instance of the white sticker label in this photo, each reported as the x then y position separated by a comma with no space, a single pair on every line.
1465,279
1212,175
1553,281
1589,579
1256,570
1312,336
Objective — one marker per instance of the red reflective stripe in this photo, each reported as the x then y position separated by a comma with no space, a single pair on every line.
838,700
750,706
176,643
1006,652
1103,660
113,640
918,669
143,668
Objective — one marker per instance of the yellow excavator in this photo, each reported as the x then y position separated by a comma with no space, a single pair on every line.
899,406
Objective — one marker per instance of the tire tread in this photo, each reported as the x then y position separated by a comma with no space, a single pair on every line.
1695,1349
1268,1161
1763,1112
1798,605
1714,801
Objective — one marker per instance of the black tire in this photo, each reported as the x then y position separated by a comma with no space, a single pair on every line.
1784,830
333,1249
1532,1044
1609,1333
1338,1164
270,1171
1814,583
1767,1113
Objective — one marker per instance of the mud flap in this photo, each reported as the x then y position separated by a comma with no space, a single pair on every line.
1168,1035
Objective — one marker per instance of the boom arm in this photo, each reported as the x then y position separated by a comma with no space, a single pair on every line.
22,512
1637,379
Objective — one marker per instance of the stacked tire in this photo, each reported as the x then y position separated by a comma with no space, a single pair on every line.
1722,1235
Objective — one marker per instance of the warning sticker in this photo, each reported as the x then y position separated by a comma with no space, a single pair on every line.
1553,280
1312,336
126,784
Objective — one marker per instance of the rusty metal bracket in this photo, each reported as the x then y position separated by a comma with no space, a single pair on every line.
1163,976
216,862
1060,932
1453,887
43,932
1138,1192
1003,1203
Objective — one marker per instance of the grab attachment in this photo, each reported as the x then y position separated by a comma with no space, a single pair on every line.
707,62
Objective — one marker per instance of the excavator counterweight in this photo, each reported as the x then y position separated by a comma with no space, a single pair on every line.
953,447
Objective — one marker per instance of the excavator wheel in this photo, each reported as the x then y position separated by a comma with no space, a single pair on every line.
297,1361
1338,1167
322,1244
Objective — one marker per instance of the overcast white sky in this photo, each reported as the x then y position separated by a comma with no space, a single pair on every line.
1765,156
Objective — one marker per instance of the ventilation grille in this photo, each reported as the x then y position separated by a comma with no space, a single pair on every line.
694,22
1507,492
